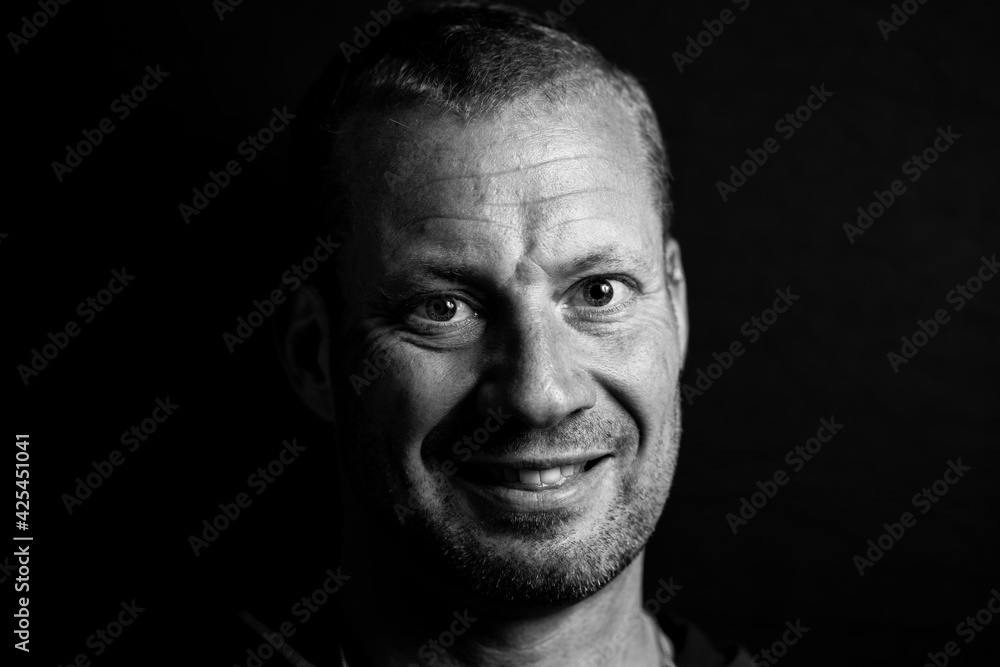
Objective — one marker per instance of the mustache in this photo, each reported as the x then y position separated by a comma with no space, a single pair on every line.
584,433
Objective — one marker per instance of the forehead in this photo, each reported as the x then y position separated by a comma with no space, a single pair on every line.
533,172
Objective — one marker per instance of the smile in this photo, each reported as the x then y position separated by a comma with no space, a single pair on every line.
536,477
528,486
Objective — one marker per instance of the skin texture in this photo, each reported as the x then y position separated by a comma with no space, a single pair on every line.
505,226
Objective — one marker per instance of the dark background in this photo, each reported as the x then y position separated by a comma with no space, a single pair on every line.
784,229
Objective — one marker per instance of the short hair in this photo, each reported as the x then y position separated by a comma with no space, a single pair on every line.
465,58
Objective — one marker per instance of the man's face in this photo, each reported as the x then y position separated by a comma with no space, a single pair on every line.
509,275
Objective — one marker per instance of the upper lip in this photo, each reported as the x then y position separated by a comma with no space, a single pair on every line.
538,463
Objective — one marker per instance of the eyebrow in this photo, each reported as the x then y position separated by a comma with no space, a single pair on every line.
609,259
398,282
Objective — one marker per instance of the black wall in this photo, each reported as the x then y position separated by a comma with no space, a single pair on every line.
825,358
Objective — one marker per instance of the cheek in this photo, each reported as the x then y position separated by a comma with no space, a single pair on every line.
415,392
640,368
388,418
646,384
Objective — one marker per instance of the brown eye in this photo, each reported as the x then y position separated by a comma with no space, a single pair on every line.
598,292
441,308
601,294
444,308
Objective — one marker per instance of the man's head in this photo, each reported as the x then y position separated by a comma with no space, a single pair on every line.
501,344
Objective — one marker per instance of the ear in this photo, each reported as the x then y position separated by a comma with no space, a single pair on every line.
304,348
677,288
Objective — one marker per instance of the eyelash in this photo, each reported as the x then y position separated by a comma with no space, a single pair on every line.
601,313
415,302
592,313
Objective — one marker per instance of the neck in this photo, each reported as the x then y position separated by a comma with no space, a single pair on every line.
398,617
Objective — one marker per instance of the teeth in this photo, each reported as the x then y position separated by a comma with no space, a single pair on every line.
536,477
530,476
551,476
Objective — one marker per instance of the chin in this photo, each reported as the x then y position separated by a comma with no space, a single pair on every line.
541,562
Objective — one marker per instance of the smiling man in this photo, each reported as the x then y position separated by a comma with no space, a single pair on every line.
500,194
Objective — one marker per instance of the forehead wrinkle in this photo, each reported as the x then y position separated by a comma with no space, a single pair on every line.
493,181
448,218
519,168
533,211
471,198
604,203
533,203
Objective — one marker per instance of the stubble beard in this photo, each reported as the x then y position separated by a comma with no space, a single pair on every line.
528,560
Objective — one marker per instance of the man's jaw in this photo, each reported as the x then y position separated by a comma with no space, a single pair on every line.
510,544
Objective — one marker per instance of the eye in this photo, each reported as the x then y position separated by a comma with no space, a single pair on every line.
601,293
443,308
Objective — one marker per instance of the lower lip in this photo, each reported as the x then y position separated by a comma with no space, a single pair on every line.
516,498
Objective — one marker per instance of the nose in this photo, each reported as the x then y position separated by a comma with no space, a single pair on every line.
537,373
